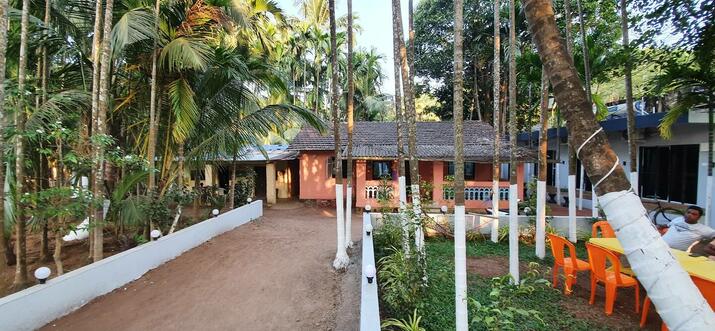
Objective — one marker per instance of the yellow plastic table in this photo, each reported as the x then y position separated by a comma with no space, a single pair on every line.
700,266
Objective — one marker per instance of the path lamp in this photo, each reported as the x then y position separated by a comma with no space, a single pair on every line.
368,208
370,273
155,234
368,229
42,273
214,213
249,200
443,209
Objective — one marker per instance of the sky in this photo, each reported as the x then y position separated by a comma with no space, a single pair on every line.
375,18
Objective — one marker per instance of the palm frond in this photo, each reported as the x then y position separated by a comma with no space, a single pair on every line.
184,108
134,26
185,53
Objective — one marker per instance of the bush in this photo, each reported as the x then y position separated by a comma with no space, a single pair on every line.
400,282
388,235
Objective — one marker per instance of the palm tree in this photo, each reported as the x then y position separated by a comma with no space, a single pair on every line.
349,106
460,248
513,194
541,180
341,257
21,280
571,179
151,146
587,85
5,253
670,288
631,115
497,139
99,130
401,181
96,51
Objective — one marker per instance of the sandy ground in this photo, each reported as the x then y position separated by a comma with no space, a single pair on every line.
271,274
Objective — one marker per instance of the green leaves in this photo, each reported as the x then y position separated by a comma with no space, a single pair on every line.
184,108
186,53
135,25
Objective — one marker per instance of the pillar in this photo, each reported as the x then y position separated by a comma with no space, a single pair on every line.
271,183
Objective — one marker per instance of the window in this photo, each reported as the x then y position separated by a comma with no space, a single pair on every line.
200,173
381,169
469,170
331,164
504,171
669,172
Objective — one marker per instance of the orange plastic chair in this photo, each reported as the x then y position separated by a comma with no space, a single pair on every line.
599,258
707,288
571,264
605,229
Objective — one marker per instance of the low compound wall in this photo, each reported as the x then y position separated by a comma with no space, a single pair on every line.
369,304
40,304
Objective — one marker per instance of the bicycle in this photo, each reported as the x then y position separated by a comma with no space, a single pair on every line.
661,216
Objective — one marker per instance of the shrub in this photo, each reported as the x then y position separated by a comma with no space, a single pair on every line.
412,323
400,282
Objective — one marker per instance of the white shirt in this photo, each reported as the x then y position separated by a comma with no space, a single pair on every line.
681,234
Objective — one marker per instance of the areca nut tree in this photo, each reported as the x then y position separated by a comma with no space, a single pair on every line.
4,252
496,66
151,147
21,280
341,256
630,112
587,85
460,241
673,293
513,187
541,179
350,104
399,118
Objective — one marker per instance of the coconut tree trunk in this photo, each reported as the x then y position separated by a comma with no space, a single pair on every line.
60,226
341,257
631,114
96,66
677,300
232,185
44,71
401,180
153,123
180,153
513,186
587,84
541,180
349,106
5,253
460,246
104,81
411,41
571,179
21,281
497,136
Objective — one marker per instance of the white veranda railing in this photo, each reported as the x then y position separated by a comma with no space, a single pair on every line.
477,193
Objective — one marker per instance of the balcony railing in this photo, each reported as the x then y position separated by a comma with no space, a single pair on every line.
378,192
477,193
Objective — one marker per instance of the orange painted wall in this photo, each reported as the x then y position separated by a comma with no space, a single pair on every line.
315,181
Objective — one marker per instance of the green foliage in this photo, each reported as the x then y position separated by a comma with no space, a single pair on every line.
384,193
412,323
400,282
389,234
245,186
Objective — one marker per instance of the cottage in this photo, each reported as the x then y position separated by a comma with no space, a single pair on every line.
375,154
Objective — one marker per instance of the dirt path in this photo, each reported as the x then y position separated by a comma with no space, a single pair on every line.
270,274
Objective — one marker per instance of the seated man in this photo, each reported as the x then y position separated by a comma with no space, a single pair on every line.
686,230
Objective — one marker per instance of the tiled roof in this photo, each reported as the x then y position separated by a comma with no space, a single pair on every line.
252,154
435,141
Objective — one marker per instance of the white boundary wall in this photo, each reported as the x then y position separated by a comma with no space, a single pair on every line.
38,305
369,304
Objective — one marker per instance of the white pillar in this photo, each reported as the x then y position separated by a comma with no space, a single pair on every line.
348,217
270,183
403,191
581,189
572,207
540,219
634,181
495,211
594,204
402,188
460,269
419,234
513,233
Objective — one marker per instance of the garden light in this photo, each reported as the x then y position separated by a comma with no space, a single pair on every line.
367,208
368,229
214,212
443,209
42,274
249,200
155,234
370,273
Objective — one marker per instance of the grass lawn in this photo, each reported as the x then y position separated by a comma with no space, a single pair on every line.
550,309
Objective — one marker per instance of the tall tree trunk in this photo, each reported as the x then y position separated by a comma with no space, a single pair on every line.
571,179
401,180
349,106
513,186
411,41
678,301
541,180
153,123
631,118
341,257
96,67
475,92
410,115
180,179
460,246
709,182
104,95
497,137
587,85
43,64
232,185
5,253
21,280
316,87
60,226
